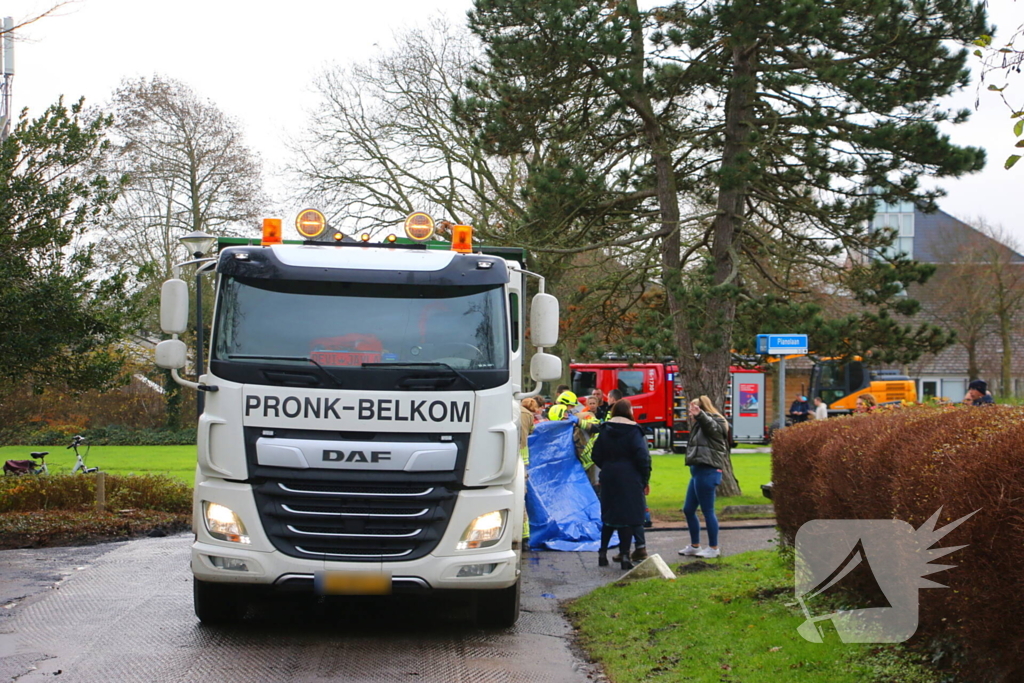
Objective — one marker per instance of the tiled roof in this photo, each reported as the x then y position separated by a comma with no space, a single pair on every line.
953,360
939,237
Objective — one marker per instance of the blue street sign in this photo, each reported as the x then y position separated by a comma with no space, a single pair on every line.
781,344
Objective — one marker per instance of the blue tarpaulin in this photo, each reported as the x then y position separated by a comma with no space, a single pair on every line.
564,511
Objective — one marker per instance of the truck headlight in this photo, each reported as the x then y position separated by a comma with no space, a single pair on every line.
484,531
223,523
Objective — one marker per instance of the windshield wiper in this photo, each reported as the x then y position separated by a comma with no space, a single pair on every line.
288,358
425,364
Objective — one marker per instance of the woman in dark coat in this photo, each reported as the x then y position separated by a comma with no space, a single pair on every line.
621,452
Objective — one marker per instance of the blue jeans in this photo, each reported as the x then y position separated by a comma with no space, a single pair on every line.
701,491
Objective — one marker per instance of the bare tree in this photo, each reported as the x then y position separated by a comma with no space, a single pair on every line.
961,301
385,141
189,169
51,11
979,292
382,144
1004,268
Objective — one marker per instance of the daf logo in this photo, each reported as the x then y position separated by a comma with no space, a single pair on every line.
356,456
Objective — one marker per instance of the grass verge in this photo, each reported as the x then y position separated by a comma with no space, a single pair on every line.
175,461
725,622
670,476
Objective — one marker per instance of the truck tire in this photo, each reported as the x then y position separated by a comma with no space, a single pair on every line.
499,608
217,603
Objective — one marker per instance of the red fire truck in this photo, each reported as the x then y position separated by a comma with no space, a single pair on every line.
659,399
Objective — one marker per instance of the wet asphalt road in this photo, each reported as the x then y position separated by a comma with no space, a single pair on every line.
123,612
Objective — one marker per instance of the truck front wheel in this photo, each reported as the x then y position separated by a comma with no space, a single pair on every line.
499,608
217,603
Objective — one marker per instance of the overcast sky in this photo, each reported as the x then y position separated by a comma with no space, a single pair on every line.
256,60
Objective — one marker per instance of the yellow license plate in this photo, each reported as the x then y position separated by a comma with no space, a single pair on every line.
352,583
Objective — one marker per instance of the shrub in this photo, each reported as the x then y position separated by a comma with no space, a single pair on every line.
906,464
57,492
41,529
112,435
115,435
51,415
78,492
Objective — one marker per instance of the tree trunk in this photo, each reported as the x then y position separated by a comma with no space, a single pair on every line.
728,476
704,362
1005,334
732,197
972,358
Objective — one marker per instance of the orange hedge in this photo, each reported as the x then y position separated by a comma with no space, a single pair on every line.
906,464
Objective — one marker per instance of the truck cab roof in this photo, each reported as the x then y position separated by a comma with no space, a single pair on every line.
363,262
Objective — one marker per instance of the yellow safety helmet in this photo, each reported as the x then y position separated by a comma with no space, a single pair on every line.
567,398
557,412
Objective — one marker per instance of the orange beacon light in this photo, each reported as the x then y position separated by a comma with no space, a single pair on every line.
462,238
271,231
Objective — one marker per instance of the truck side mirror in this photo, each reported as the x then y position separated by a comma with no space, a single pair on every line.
544,322
545,367
174,307
170,354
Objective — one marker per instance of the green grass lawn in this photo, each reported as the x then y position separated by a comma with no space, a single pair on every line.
177,461
670,477
727,624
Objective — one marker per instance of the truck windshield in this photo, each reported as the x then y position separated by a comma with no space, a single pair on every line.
361,327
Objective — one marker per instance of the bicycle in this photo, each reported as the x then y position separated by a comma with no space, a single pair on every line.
79,460
18,467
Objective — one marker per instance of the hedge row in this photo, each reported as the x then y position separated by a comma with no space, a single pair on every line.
112,435
43,529
77,492
906,464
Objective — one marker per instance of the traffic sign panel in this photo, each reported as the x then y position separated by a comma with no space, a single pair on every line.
781,344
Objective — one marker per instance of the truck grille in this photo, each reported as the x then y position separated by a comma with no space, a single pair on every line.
354,522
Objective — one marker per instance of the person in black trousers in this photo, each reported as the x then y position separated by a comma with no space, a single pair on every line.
621,453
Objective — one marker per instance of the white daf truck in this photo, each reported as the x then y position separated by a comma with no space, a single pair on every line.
360,426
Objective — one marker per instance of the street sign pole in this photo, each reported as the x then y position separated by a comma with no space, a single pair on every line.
782,345
782,393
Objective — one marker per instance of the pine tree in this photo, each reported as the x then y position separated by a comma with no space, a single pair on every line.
61,323
785,120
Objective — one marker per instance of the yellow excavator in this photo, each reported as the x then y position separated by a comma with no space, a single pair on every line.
840,382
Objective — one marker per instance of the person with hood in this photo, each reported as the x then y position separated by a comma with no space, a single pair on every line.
707,453
621,453
978,394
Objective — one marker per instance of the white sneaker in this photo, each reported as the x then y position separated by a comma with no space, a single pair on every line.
690,551
708,552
